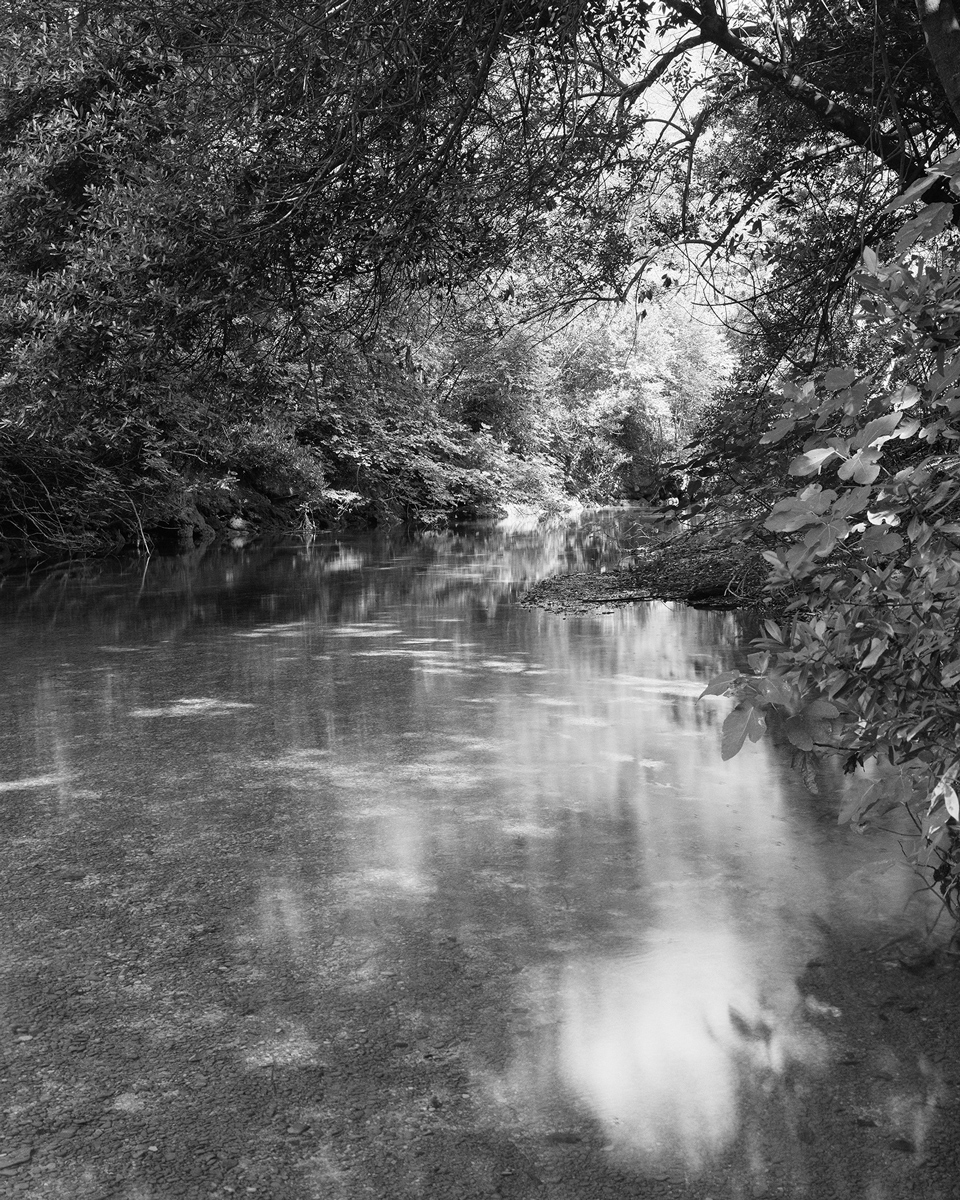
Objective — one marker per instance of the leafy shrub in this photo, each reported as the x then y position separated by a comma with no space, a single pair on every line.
867,665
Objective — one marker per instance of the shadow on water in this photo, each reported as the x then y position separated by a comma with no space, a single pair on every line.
450,879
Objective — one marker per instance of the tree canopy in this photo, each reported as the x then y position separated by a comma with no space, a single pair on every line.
213,215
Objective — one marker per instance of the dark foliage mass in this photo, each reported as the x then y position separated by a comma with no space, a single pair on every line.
228,231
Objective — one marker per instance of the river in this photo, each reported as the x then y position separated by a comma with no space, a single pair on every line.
362,754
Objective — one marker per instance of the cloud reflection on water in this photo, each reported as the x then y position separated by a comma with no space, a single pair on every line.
657,904
661,1037
677,897
661,1046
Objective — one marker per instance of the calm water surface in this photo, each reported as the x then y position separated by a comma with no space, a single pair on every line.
380,739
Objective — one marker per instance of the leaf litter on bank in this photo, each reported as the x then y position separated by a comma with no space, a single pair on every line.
708,568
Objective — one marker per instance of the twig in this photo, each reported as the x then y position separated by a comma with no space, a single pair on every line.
143,536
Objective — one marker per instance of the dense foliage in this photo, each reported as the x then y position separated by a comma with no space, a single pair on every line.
866,666
229,233
786,130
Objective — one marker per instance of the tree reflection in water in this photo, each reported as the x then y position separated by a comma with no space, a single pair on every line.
383,751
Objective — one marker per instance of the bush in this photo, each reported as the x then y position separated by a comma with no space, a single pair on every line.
867,667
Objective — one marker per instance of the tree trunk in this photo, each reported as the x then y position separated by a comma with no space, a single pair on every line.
941,29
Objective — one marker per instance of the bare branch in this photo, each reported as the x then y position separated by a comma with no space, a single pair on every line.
632,91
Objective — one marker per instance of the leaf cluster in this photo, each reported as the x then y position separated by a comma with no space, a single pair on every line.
874,558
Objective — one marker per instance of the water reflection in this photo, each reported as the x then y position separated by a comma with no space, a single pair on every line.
335,578
379,753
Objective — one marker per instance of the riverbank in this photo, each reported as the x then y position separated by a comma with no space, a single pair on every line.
184,515
707,568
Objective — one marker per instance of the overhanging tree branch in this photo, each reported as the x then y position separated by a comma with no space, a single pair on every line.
633,90
889,149
940,21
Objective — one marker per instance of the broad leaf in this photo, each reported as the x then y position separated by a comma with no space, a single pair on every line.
756,725
812,461
778,691
838,378
861,467
822,538
943,379
779,429
720,684
798,733
734,730
853,501
904,397
932,221
862,795
790,515
873,656
796,512
907,428
878,539
818,498
913,192
881,427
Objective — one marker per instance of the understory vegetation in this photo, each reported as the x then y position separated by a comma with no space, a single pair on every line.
267,265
